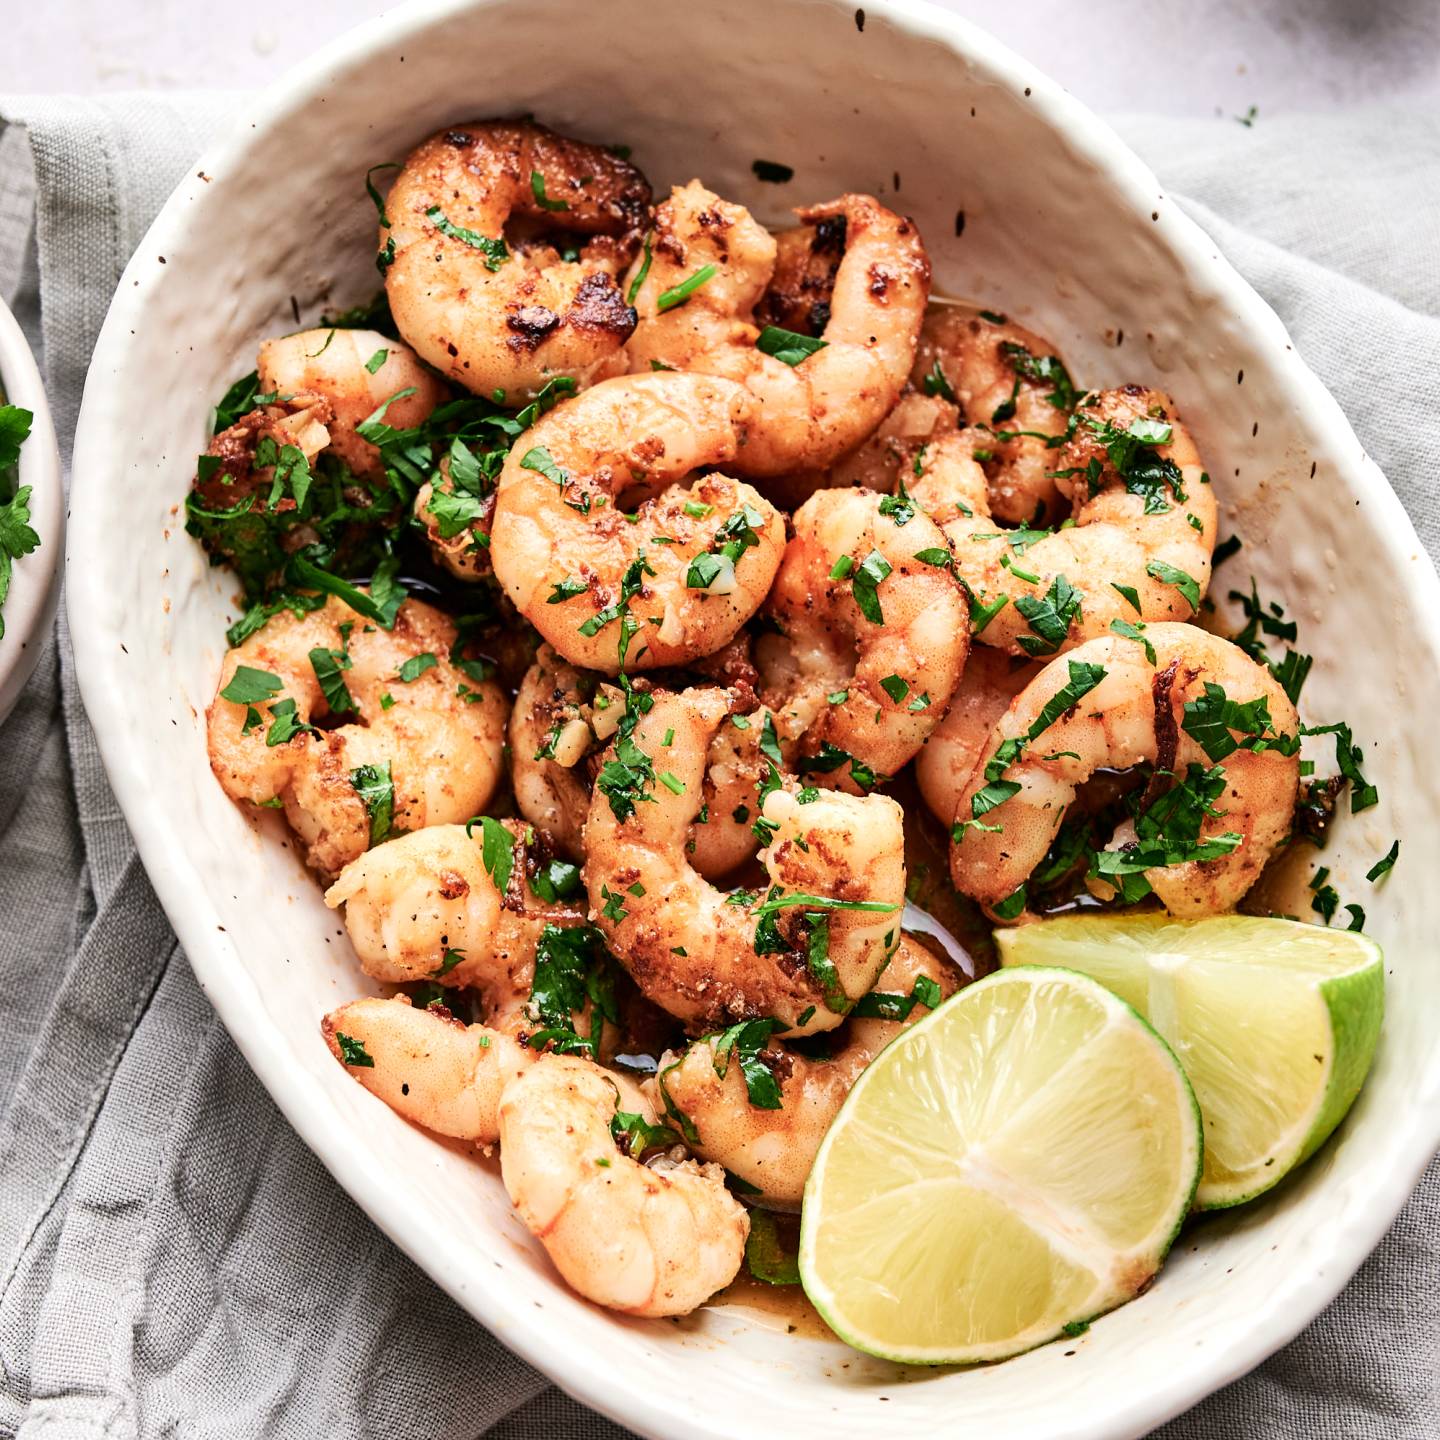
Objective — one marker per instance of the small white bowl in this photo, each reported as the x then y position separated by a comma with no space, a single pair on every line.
35,578
1027,203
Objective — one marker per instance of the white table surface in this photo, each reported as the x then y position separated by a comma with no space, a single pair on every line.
1180,57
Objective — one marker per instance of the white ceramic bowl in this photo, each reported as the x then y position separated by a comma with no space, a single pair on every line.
35,578
1063,227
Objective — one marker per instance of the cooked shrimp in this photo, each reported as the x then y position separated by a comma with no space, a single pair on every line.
874,637
425,907
1142,534
427,1066
774,1149
560,722
551,733
656,1239
992,679
805,950
906,448
336,363
493,308
431,756
1106,706
696,231
672,582
1007,380
802,284
708,264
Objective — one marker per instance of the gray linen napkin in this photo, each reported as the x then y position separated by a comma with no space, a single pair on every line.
172,1259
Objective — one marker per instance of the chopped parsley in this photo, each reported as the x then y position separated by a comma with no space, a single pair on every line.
537,189
415,667
1169,574
17,537
866,585
376,789
787,346
734,537
679,294
494,251
572,967
1049,618
353,1052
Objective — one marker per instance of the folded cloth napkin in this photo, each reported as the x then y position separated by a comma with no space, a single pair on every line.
172,1259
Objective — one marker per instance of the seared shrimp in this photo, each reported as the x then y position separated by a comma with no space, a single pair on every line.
336,363
992,679
426,1065
496,308
805,950
656,1239
1200,840
1009,381
675,580
560,721
874,633
1140,546
430,756
708,265
773,1150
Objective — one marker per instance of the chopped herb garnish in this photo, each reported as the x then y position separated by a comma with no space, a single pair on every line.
1135,632
353,1052
1049,618
376,789
537,189
787,346
679,294
494,251
327,665
415,667
1384,865
865,586
1172,575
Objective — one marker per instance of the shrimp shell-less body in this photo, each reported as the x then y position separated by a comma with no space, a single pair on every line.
846,680
560,722
493,310
1134,715
653,1240
1120,537
426,1066
693,950
562,547
992,679
424,907
809,413
440,736
335,362
976,355
773,1150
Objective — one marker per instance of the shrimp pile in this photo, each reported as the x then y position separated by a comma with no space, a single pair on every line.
633,596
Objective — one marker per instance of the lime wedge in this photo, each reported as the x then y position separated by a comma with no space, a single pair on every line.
1275,1022
1014,1164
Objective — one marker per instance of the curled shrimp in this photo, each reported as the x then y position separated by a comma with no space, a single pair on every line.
874,634
430,756
773,1149
804,950
1200,841
493,304
1139,549
992,679
655,1239
705,268
1009,382
336,364
675,580
427,1066
560,723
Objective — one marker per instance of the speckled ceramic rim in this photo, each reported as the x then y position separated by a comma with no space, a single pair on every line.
1144,1400
35,579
